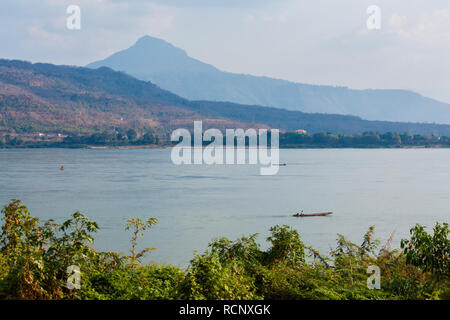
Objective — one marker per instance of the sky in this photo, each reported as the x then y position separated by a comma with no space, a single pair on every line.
318,42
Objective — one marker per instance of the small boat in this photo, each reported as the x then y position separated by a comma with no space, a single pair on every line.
312,214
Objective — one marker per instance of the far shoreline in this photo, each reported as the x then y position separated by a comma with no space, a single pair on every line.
153,146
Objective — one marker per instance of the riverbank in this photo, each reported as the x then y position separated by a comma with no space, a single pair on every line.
165,146
287,140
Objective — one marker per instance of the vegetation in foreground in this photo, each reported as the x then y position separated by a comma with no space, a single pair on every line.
35,256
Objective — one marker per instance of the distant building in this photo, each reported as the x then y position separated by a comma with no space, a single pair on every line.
300,131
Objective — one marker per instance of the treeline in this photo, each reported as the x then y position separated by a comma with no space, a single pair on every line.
117,137
114,138
364,140
35,256
123,137
9,141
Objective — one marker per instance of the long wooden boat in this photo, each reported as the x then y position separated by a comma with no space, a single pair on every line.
312,214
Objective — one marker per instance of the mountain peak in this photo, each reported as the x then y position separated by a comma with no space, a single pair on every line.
148,38
151,43
150,53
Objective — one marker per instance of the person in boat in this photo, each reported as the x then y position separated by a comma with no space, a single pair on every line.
298,214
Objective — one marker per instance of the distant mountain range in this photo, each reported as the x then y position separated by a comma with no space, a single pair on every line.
48,98
171,68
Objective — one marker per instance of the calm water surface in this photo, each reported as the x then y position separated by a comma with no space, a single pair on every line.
391,189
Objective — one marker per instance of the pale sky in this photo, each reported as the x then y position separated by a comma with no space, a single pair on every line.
318,41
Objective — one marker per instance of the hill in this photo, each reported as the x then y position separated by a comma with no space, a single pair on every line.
65,99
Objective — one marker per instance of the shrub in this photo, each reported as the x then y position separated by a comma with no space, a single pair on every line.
37,256
210,279
429,252
287,248
150,282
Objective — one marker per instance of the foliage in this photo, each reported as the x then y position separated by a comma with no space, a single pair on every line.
22,242
138,227
287,248
364,140
151,282
34,258
429,252
118,136
37,255
208,278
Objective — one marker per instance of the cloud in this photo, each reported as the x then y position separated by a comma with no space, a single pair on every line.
249,18
265,18
397,21
208,3
431,28
40,33
49,39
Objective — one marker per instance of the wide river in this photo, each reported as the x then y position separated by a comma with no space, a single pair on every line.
392,189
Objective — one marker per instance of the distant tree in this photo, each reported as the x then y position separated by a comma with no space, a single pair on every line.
131,134
149,138
16,141
389,139
370,138
121,136
73,139
406,138
320,138
102,138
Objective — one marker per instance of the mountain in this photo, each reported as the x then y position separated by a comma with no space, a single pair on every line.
65,99
171,68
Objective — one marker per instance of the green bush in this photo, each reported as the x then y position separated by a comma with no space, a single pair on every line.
429,252
209,278
150,282
37,256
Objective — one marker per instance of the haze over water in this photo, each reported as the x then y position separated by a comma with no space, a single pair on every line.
392,189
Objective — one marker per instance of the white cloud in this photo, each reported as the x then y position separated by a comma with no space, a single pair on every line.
397,20
431,28
249,18
265,18
106,26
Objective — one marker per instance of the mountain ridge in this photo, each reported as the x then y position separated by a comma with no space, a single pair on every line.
171,68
